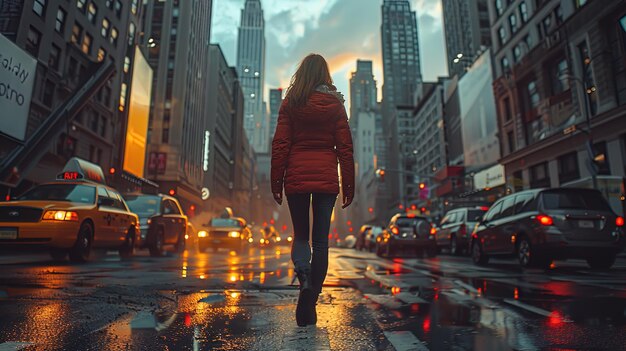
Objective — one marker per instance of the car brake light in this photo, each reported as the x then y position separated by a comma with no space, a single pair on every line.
484,208
395,230
433,231
545,220
619,221
463,230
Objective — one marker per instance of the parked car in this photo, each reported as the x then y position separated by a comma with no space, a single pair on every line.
360,237
456,227
162,221
232,233
70,216
407,232
544,224
369,242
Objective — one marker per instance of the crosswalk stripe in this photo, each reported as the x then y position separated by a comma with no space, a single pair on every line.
14,345
405,341
529,308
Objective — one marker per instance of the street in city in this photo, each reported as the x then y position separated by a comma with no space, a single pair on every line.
228,301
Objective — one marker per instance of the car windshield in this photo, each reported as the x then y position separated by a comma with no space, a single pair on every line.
410,222
143,205
84,194
475,215
574,199
224,222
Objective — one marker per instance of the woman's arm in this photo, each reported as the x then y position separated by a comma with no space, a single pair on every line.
343,142
281,146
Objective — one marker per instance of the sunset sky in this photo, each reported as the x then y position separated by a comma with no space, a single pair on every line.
340,30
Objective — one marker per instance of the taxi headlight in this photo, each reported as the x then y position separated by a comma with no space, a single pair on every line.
289,238
233,234
202,234
61,216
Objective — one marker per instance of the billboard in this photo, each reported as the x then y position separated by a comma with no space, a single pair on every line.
17,77
479,123
138,114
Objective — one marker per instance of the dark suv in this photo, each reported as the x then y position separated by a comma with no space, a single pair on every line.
456,228
407,232
161,220
544,224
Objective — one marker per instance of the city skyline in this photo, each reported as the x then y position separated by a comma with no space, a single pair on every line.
321,22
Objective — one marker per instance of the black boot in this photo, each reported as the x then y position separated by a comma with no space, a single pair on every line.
313,310
305,298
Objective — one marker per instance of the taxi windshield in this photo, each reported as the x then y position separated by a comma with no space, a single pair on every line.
143,205
62,192
224,222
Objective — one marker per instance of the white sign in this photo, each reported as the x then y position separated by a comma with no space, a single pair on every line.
17,76
205,193
490,178
205,155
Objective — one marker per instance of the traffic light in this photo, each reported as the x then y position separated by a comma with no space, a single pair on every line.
422,186
423,209
112,170
172,192
380,174
370,210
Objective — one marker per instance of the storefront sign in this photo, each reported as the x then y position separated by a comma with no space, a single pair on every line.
490,178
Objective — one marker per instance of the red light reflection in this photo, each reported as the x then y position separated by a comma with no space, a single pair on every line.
187,320
426,325
555,319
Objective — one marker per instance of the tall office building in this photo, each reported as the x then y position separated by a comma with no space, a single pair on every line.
65,41
363,89
179,33
251,70
467,31
276,99
401,68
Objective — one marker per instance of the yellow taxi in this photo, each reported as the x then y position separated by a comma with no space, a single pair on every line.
71,215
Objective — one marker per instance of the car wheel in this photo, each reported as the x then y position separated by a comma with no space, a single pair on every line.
82,247
601,262
478,256
156,249
454,247
58,254
528,257
128,249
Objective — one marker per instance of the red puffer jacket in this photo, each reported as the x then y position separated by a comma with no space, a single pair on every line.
307,144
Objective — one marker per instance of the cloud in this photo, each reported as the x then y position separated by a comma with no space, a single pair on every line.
340,30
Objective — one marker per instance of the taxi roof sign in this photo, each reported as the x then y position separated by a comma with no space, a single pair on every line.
77,169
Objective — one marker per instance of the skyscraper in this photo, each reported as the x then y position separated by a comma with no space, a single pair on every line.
179,134
276,99
401,68
467,29
251,70
363,89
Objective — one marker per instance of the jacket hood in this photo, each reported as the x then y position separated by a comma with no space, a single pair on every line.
323,105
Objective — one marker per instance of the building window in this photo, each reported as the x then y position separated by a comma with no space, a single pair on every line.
122,104
80,5
533,94
101,54
165,137
502,34
86,47
511,140
513,23
568,167
126,64
48,93
499,7
106,25
32,41
517,53
53,59
131,33
103,126
59,26
39,7
580,3
92,12
523,10
118,8
518,181
109,4
560,77
93,121
506,103
539,176
77,32
547,24
114,35
588,81
133,7
602,158
506,66
558,14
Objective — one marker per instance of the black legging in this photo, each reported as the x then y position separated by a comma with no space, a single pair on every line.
323,205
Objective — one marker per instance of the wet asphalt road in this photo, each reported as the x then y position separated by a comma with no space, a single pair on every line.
229,301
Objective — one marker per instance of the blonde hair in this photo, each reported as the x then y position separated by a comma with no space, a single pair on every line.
312,72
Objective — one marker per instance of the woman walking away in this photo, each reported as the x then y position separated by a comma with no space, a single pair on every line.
312,133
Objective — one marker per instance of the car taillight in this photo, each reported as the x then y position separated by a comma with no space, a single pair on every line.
545,220
61,216
463,230
395,230
433,231
619,221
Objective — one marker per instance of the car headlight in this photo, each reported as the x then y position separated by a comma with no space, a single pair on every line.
233,234
61,216
262,241
202,234
250,240
289,238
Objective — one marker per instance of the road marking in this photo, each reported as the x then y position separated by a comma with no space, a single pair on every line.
385,300
529,308
467,287
14,345
143,320
409,298
405,341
